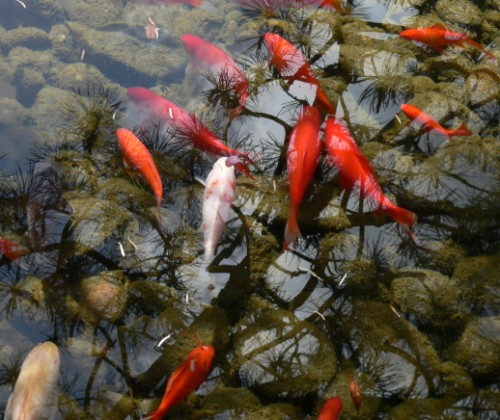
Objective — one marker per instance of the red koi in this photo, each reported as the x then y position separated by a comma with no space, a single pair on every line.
213,59
12,250
186,125
137,156
355,169
186,378
302,158
331,409
428,124
293,66
438,37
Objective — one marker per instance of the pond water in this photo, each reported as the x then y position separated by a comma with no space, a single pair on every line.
411,313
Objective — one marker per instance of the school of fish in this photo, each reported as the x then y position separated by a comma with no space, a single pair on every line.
316,129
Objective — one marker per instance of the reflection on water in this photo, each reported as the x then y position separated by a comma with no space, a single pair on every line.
87,266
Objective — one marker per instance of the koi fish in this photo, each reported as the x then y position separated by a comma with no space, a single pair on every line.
293,66
12,250
331,409
186,378
355,169
137,157
212,59
428,124
356,395
185,125
302,158
35,392
217,200
438,37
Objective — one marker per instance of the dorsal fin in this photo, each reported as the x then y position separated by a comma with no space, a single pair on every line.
439,26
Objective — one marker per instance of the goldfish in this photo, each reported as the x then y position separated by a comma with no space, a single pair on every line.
35,392
212,59
190,374
185,125
331,409
354,169
12,250
302,158
428,124
217,200
293,66
438,37
137,156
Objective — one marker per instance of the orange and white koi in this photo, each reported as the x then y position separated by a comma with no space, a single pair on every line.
35,392
190,374
12,250
214,60
186,126
429,124
217,201
331,409
302,159
438,37
137,157
293,66
354,169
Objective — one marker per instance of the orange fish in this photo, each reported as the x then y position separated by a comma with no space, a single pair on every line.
438,37
356,395
186,126
212,59
137,157
12,250
428,124
186,378
293,66
331,409
302,158
354,169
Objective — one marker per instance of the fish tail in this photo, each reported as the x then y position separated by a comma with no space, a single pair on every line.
479,46
292,231
405,218
460,131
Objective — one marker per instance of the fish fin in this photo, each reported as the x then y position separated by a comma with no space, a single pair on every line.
438,26
406,218
479,46
292,231
463,130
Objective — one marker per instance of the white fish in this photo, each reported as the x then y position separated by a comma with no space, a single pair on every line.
217,200
35,393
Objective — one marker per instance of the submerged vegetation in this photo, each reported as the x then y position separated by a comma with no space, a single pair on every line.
87,263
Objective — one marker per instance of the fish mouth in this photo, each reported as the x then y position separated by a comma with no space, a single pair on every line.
233,161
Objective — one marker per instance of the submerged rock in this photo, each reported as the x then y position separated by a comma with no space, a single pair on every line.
281,356
104,296
431,299
397,357
476,277
478,349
